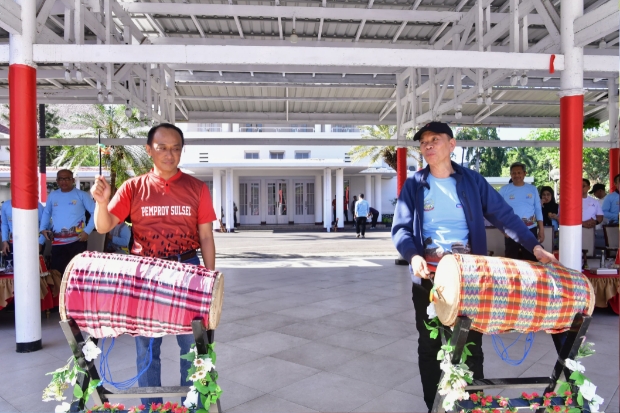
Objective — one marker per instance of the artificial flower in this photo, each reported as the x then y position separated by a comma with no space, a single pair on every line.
198,362
192,398
200,374
91,351
557,409
573,365
430,310
587,390
208,366
595,403
62,408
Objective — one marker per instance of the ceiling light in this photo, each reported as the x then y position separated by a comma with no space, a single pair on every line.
488,100
110,98
479,100
99,97
293,38
67,75
523,80
78,75
128,112
458,115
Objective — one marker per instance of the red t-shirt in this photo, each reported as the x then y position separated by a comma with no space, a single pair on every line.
165,214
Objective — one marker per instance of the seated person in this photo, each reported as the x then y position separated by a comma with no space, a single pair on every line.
591,212
117,240
549,207
610,203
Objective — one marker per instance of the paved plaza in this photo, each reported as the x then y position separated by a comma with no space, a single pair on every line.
311,322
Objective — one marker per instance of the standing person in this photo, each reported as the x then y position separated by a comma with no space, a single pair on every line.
610,203
334,210
171,214
375,217
67,208
549,206
524,200
353,211
441,207
7,229
361,212
345,209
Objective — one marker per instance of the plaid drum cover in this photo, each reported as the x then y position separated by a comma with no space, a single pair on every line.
112,294
502,295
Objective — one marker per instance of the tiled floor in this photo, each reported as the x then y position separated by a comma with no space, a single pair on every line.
304,335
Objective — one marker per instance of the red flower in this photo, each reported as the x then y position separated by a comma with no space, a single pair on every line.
547,402
534,395
569,401
557,409
120,406
107,405
568,393
497,411
483,402
141,407
489,399
526,396
474,398
550,394
534,406
167,406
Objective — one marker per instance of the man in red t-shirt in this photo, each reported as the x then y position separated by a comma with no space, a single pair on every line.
171,214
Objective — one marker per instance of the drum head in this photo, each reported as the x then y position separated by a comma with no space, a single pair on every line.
215,311
448,283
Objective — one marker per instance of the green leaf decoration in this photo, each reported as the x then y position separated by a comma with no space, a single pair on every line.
189,356
577,377
77,392
563,387
201,387
574,410
208,378
580,399
434,334
202,411
204,400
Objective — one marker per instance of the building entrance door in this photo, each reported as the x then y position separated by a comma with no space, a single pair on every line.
304,202
277,209
249,203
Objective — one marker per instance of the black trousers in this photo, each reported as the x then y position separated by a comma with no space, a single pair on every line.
517,251
428,348
346,215
360,225
62,254
375,218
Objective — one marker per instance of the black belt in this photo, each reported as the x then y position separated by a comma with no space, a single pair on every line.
181,257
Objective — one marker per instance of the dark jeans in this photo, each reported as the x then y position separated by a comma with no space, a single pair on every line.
360,225
62,254
517,251
428,348
346,215
152,376
375,217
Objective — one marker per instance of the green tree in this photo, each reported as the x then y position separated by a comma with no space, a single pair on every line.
123,160
489,160
386,153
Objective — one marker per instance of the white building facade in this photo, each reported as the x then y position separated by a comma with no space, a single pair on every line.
285,185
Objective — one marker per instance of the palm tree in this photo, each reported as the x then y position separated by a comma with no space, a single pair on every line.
484,155
386,153
123,160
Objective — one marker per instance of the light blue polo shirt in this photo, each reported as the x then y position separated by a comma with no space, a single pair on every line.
524,201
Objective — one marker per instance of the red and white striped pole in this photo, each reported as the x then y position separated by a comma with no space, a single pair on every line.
401,169
571,137
614,152
24,181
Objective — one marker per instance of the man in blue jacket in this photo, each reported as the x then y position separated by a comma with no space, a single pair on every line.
442,209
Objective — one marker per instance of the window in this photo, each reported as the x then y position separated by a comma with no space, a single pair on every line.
302,155
251,155
345,128
276,155
209,127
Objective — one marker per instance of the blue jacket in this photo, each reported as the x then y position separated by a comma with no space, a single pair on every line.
479,199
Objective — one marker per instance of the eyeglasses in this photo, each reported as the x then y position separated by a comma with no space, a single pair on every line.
63,179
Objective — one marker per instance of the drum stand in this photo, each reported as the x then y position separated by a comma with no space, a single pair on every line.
574,339
101,395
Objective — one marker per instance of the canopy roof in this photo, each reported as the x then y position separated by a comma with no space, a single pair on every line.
473,62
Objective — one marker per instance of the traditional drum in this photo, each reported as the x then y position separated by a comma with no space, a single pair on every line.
501,295
112,294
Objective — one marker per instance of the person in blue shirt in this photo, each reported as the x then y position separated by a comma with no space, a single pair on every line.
441,210
67,207
610,203
117,240
7,229
361,212
524,200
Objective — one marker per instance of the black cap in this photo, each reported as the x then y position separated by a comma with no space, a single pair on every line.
437,127
596,187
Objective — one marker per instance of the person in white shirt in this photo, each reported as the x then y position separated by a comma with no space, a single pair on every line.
591,211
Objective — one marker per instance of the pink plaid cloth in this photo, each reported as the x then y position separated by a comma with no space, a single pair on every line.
112,294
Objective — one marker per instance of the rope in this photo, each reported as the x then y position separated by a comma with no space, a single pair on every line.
503,354
104,368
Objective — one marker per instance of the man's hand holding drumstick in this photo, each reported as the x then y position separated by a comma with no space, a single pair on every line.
419,267
101,192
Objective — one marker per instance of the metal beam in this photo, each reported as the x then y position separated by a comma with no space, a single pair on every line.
303,141
10,17
290,55
597,24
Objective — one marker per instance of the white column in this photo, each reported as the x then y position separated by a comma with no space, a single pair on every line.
225,127
235,127
378,196
317,128
236,194
327,198
290,200
263,200
78,181
318,199
229,200
25,218
328,128
367,189
340,197
612,108
571,82
217,193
